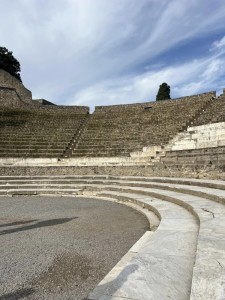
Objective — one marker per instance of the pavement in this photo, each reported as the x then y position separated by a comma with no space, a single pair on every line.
62,247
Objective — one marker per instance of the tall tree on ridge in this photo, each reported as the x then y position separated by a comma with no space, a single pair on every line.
163,92
9,63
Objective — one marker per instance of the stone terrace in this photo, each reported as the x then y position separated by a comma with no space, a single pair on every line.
120,129
38,132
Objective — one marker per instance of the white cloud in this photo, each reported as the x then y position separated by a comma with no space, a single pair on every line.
197,76
94,51
219,44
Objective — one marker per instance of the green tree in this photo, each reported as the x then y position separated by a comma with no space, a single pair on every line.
163,92
9,63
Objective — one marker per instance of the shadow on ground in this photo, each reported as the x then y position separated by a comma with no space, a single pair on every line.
111,287
17,223
19,294
39,224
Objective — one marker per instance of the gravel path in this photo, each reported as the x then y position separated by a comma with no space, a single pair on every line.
61,247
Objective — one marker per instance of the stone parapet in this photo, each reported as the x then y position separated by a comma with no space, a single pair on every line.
150,104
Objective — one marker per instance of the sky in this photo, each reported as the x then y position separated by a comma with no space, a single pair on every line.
104,52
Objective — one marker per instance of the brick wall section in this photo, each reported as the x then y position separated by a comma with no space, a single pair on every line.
8,81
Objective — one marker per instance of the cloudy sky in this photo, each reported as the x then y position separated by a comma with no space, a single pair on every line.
101,52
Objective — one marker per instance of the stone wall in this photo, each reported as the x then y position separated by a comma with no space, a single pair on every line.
157,170
149,105
199,137
43,102
10,98
8,81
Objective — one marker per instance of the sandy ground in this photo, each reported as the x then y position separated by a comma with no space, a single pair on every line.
61,247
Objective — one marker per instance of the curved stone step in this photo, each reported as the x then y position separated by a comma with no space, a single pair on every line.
165,258
201,197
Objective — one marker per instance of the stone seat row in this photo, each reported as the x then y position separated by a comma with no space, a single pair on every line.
37,147
35,133
32,139
214,113
105,123
184,250
30,155
164,106
40,132
195,158
152,113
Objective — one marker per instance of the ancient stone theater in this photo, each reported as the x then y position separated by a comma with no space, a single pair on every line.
164,159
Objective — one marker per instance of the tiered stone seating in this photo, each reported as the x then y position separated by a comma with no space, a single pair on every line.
120,129
182,258
213,113
195,158
202,144
38,132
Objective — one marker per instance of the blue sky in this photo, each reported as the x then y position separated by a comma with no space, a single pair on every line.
102,52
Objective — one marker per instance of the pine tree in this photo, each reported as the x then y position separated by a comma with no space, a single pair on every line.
163,92
9,63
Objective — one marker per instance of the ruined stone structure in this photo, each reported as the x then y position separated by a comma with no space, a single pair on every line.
177,133
123,133
182,256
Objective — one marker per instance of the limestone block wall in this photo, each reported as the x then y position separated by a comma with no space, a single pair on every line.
8,81
199,146
198,137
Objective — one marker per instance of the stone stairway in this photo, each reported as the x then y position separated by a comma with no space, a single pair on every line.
182,257
75,139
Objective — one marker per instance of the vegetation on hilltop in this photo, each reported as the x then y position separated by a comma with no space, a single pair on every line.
9,63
